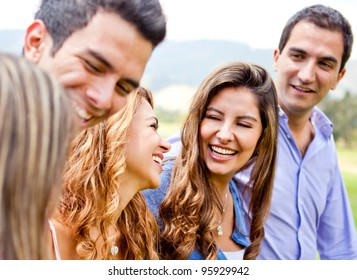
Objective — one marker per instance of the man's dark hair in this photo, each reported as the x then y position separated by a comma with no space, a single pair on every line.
323,17
64,17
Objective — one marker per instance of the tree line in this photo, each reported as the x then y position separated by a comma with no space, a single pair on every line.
343,113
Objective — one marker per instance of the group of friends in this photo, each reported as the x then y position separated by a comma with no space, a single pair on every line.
253,173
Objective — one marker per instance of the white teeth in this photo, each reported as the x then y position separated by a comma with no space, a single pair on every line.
222,151
157,159
303,89
306,90
82,113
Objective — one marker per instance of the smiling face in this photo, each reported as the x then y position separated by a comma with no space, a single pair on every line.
229,131
308,67
145,149
101,63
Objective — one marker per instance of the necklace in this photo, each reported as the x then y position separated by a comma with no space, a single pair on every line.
220,228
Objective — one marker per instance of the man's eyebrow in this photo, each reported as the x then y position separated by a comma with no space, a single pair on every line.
293,49
100,58
104,61
328,58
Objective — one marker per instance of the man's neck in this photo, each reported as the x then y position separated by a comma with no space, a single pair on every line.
302,130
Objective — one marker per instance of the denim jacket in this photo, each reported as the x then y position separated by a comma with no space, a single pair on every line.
154,197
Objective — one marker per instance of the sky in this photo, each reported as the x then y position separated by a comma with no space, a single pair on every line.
255,22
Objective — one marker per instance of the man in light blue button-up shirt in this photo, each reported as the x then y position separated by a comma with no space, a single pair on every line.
310,210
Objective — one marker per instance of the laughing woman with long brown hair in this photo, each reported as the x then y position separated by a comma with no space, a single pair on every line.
231,126
103,215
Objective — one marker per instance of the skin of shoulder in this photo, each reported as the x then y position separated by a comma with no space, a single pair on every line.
66,241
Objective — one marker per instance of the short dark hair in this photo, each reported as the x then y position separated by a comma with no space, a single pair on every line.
62,18
323,17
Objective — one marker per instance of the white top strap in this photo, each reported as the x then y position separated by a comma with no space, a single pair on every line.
54,239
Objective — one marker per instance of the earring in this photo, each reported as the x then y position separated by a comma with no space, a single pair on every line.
114,250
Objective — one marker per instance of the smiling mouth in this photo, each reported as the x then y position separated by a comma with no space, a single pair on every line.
82,113
303,89
223,153
157,159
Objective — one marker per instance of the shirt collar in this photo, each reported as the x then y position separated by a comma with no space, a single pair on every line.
319,120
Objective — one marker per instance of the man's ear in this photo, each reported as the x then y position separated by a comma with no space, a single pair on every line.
34,39
276,58
339,78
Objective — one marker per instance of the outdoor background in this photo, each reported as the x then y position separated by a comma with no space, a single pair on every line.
203,34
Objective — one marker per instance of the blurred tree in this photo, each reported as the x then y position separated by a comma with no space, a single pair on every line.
343,114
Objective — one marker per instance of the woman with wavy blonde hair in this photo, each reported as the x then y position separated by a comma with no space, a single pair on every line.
231,126
103,215
36,126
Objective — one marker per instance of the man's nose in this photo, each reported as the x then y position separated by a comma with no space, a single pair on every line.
307,73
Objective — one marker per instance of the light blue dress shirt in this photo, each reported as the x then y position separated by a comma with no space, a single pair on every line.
310,211
154,198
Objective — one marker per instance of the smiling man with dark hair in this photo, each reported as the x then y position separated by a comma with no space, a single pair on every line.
98,49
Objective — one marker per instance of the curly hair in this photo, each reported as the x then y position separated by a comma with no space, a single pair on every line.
91,193
189,208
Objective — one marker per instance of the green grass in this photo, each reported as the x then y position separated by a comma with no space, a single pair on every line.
348,164
347,156
350,179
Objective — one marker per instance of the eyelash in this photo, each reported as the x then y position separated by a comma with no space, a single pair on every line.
323,64
155,126
122,89
244,125
326,65
92,68
212,117
297,56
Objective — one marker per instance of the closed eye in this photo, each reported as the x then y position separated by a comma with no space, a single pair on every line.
155,126
247,125
326,65
92,67
213,117
297,56
123,88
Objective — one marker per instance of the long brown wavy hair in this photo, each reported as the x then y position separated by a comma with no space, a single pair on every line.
91,191
187,211
36,127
